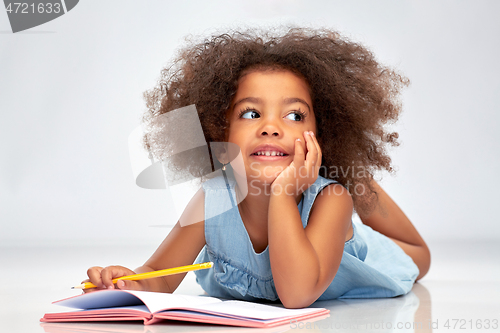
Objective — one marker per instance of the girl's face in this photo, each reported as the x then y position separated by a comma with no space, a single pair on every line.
271,109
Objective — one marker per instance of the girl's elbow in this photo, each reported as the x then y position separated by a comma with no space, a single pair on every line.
424,262
296,302
300,297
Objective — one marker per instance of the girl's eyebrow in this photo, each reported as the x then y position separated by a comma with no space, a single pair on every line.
292,100
286,101
255,100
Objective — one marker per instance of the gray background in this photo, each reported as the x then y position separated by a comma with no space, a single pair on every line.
71,92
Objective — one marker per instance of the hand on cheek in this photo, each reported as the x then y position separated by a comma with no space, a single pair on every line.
303,170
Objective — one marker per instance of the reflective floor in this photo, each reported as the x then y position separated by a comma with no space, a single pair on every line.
461,293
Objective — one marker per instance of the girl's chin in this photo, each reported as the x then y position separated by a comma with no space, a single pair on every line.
265,176
261,181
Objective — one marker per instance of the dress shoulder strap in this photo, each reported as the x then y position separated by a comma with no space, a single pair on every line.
309,196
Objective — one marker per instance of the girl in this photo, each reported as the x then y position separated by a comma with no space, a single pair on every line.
306,110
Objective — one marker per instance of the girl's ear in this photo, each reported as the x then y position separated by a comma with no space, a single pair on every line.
224,153
219,154
222,157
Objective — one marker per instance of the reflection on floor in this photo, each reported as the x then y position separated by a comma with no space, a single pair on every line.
461,293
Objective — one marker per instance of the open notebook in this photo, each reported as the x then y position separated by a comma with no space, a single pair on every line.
119,305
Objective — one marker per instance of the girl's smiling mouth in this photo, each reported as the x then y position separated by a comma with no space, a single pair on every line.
268,152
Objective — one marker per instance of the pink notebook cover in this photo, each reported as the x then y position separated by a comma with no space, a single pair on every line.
121,305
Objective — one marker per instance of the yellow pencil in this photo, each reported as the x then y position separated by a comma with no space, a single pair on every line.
150,275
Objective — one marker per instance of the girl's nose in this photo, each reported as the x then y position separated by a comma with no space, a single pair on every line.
272,134
271,128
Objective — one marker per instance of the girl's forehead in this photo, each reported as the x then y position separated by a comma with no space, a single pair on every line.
272,81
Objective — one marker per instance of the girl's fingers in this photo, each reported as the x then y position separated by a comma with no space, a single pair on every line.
128,285
94,274
299,155
111,272
318,148
107,277
312,151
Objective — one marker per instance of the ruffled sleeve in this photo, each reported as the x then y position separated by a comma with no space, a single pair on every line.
243,282
228,279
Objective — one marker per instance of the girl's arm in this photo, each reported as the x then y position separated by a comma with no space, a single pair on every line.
389,219
180,248
305,261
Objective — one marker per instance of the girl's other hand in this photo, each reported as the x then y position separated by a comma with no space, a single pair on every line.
303,170
102,278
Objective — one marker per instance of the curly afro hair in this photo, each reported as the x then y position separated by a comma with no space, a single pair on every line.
353,96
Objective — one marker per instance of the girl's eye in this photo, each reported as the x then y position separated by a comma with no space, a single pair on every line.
296,116
250,114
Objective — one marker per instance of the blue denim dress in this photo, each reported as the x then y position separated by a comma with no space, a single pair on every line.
372,265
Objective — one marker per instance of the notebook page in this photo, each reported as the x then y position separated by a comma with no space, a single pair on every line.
100,299
118,298
163,301
253,310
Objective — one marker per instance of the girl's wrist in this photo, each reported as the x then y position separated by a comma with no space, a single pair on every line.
283,196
